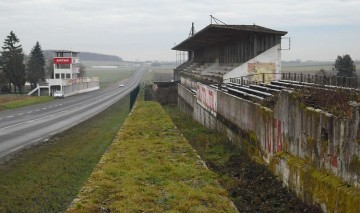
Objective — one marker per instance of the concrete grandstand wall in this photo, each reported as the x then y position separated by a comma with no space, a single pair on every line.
312,152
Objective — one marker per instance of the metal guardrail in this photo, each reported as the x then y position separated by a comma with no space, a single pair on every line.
341,81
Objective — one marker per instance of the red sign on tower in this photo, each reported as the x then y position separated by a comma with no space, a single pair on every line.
62,60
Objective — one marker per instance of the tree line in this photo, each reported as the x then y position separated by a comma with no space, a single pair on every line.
16,70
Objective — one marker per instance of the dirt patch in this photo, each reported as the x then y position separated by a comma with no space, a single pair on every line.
254,188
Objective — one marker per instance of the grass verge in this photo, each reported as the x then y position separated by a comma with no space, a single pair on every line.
17,101
47,177
150,167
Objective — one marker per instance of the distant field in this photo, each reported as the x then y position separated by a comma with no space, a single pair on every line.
312,67
162,69
108,76
157,69
107,63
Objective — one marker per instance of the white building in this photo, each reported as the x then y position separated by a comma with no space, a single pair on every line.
65,77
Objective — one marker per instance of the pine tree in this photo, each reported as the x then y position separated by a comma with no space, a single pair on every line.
12,61
49,68
35,66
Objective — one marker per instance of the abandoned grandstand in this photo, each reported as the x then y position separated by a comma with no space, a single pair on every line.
233,72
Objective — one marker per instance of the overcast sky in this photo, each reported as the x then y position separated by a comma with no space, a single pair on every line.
148,29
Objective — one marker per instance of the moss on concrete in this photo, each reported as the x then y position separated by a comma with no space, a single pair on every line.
310,144
355,165
320,187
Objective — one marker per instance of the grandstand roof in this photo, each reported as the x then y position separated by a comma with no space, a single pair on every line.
214,33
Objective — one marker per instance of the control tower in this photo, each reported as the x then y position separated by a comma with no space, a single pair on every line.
66,64
66,76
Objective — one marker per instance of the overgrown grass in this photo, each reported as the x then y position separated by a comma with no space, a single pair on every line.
17,101
47,177
150,167
212,146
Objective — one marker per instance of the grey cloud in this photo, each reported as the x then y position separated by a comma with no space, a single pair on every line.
141,29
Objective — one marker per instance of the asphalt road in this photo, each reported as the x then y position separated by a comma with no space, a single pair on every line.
22,127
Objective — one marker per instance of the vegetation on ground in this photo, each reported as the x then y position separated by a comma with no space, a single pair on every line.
47,176
251,186
150,167
17,101
335,102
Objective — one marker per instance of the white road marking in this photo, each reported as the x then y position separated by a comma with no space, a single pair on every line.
30,121
44,108
20,114
10,116
15,149
30,112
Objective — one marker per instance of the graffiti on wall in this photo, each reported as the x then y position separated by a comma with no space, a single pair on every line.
262,70
278,135
273,136
206,97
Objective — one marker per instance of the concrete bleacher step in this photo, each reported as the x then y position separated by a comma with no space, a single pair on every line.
251,91
257,92
213,86
283,84
302,83
291,84
243,94
272,86
265,89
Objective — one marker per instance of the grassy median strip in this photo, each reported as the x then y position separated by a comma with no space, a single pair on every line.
150,167
47,177
17,101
